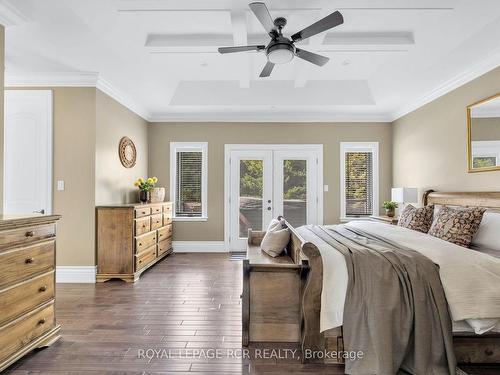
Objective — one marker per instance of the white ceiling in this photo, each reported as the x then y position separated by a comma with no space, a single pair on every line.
159,57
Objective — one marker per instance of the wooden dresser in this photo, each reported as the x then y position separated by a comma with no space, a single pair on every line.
27,285
131,238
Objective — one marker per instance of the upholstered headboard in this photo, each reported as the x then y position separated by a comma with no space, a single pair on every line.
487,199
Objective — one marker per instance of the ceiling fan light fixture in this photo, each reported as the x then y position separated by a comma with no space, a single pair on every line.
280,53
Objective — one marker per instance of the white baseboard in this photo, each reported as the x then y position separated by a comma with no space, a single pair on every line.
199,247
75,274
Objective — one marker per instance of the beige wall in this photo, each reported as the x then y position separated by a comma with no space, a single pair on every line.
113,182
330,135
74,155
429,144
2,69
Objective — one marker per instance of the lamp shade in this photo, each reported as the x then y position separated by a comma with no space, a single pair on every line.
404,195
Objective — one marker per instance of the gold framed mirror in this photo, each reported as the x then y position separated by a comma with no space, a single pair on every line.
483,135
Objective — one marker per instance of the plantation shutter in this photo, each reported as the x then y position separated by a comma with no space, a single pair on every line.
359,183
189,180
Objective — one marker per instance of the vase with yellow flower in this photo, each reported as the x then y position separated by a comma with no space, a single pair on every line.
145,186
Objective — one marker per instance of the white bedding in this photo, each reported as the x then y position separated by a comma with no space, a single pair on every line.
471,280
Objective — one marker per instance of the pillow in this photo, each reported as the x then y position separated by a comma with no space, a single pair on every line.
457,226
488,234
276,238
419,219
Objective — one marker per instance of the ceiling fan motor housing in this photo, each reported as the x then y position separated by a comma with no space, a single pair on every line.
280,51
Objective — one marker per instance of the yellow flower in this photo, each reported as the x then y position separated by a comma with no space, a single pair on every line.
136,183
141,180
155,179
150,181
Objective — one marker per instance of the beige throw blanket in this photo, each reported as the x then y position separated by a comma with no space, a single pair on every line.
395,309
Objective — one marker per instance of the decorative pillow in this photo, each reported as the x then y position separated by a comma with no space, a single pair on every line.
419,219
276,238
457,226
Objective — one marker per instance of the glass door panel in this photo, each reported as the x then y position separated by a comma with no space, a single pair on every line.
251,196
251,191
295,191
295,186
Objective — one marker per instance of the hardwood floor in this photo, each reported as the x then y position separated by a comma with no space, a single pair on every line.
185,307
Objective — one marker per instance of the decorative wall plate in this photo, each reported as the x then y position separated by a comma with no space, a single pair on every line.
127,152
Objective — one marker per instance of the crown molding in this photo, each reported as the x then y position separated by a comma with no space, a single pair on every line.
110,90
10,15
74,79
51,79
486,65
283,116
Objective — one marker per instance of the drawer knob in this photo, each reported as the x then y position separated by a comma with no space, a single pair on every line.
43,288
41,321
144,225
29,260
30,233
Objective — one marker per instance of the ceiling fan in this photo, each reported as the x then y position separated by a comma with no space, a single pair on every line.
281,49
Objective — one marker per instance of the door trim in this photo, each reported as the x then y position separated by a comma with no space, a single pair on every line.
271,147
45,95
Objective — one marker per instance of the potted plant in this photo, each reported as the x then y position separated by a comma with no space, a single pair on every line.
145,185
390,208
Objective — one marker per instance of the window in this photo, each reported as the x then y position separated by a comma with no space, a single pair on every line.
188,180
359,179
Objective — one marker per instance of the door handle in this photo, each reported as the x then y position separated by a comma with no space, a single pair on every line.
42,211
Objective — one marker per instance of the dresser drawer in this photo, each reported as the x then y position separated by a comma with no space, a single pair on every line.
167,218
164,246
142,211
156,221
146,257
167,208
164,233
23,297
142,225
28,234
156,209
22,331
145,241
19,264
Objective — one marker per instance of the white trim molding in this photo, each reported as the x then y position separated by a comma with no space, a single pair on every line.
76,274
74,79
372,147
202,147
457,81
199,247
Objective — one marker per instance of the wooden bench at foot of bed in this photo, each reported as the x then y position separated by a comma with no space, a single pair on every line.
272,290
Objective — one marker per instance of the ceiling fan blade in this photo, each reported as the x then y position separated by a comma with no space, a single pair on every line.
324,24
311,57
268,68
241,49
262,13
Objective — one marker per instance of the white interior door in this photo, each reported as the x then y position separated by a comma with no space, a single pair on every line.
28,151
251,194
266,181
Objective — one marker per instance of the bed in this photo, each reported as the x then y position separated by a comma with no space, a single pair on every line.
325,334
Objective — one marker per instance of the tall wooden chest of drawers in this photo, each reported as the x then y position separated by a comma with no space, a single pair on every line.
27,285
131,238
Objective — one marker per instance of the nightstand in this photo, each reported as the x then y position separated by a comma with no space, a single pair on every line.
385,219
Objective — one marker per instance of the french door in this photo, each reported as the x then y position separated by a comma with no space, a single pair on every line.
266,181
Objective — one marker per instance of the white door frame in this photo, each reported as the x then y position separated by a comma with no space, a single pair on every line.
318,148
45,95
